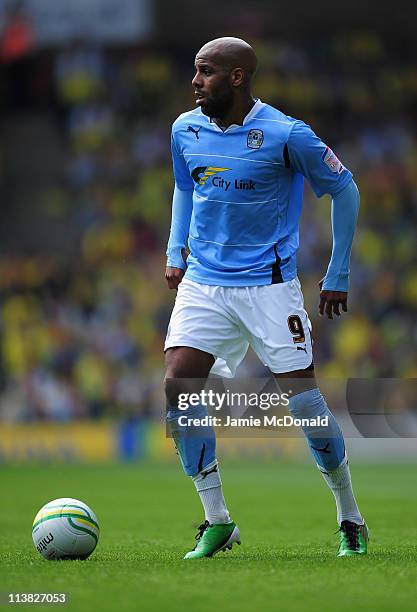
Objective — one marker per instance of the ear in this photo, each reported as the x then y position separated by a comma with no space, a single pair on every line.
237,77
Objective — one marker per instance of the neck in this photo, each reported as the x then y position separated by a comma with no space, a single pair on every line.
236,113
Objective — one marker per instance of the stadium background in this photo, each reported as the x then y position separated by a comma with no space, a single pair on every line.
88,94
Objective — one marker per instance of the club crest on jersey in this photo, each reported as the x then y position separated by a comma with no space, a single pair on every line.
255,139
332,161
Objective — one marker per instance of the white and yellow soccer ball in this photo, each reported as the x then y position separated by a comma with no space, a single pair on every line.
65,528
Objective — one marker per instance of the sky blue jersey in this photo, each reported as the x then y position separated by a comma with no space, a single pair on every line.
248,184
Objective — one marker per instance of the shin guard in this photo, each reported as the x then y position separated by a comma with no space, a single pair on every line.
326,441
196,444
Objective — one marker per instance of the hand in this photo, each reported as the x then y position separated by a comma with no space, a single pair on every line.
173,276
330,301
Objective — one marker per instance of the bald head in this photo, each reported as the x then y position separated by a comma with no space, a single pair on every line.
230,53
222,83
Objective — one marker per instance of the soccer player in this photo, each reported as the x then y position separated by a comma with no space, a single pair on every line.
239,167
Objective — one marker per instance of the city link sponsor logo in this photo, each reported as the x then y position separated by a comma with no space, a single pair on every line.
204,174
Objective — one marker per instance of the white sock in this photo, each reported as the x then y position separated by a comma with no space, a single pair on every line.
209,487
340,483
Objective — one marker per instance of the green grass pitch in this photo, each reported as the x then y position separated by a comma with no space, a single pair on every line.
148,516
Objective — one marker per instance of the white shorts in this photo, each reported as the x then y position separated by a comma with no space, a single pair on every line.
224,321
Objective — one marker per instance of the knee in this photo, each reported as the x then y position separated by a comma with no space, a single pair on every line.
172,388
186,372
307,403
174,381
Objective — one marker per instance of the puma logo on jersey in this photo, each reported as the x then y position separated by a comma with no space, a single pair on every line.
194,131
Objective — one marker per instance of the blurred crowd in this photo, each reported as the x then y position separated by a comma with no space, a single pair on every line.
82,333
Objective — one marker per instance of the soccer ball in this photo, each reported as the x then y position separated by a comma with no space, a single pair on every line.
65,528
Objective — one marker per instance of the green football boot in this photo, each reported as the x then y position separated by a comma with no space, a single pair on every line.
353,539
212,538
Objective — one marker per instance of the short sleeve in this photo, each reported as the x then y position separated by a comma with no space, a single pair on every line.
181,173
316,161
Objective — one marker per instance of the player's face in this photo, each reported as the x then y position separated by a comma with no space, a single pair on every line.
212,88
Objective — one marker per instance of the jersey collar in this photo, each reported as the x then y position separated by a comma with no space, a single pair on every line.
234,126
